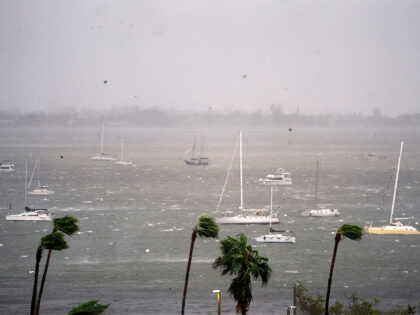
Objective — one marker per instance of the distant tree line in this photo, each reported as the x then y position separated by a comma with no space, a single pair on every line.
134,116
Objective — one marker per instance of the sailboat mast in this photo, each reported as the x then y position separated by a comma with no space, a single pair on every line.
26,178
102,137
193,148
39,166
240,171
122,143
316,186
396,182
271,205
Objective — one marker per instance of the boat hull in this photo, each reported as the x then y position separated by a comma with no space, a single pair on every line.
41,192
27,218
247,220
274,182
103,158
276,238
391,230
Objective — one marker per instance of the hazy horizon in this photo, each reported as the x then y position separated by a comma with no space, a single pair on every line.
321,57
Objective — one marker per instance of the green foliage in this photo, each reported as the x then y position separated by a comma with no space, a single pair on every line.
67,225
54,241
308,304
353,232
359,306
398,311
89,308
207,227
239,259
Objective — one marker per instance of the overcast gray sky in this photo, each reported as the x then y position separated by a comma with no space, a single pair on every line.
323,56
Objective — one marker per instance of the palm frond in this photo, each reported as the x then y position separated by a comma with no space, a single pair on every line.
54,241
353,232
207,227
89,308
67,225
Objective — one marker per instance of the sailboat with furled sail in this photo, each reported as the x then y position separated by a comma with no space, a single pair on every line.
194,160
394,227
42,189
121,160
246,216
275,237
103,156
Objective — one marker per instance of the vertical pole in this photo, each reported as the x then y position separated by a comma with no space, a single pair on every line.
26,179
102,137
240,169
271,205
295,299
316,186
396,182
218,303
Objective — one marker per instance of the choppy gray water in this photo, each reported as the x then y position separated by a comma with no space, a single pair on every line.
124,210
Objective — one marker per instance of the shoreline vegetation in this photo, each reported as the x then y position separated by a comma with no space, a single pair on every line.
135,116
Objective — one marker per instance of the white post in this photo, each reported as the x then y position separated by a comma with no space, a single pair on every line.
271,205
26,178
396,182
240,169
122,143
316,186
102,137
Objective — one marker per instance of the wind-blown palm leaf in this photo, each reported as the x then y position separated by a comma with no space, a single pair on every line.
66,224
89,308
54,241
353,232
207,227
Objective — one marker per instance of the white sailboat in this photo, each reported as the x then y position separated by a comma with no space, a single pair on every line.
276,237
322,212
394,227
246,216
278,178
122,161
41,190
103,156
30,214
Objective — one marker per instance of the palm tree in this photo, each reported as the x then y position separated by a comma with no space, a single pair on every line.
239,259
53,241
353,232
205,228
67,225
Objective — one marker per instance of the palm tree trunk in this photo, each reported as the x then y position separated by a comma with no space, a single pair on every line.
327,299
41,287
187,273
34,290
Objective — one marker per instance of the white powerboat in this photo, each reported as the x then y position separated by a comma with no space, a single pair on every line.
103,156
31,215
277,237
322,212
279,177
6,166
394,227
246,216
